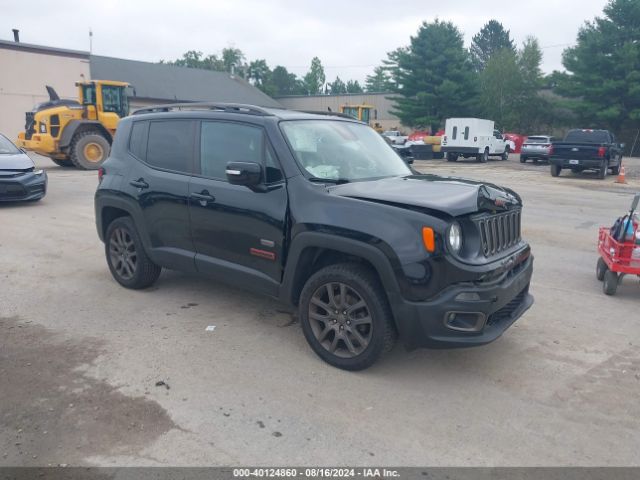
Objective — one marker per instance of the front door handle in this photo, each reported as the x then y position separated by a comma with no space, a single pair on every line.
203,197
140,183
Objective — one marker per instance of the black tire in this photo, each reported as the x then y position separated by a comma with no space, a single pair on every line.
523,159
63,163
555,170
89,140
143,271
601,269
378,330
484,156
604,169
610,284
615,170
505,154
452,157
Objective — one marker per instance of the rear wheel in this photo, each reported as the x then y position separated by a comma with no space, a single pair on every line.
505,154
615,170
62,163
523,159
452,157
345,316
601,269
127,260
602,172
89,149
555,170
610,284
484,156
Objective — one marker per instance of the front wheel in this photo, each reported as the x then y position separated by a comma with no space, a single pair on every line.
89,150
615,170
555,170
505,154
127,260
345,316
62,163
610,284
484,156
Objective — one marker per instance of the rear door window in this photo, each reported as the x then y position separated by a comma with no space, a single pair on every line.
138,140
170,145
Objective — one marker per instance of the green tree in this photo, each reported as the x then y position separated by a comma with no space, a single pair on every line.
195,59
233,60
379,81
337,87
488,41
501,87
433,77
603,70
314,79
285,83
259,73
353,86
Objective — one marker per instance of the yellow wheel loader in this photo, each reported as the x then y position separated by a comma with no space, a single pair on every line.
77,133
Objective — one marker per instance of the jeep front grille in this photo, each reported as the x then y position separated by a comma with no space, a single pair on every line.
499,232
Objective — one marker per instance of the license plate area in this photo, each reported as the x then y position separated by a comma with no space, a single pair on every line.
574,162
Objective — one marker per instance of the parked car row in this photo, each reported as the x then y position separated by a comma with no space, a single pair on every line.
19,178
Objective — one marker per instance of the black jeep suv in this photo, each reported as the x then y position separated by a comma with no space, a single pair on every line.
319,212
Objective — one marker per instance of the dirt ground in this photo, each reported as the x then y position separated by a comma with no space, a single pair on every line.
93,374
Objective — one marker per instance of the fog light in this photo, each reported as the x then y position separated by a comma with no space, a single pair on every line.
464,321
467,297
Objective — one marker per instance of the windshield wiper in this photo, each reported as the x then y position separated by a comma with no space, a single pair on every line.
337,181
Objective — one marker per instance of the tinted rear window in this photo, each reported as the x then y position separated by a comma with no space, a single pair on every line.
587,136
138,139
538,140
170,145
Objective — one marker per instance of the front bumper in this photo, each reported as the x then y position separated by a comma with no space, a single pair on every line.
23,187
494,309
577,163
41,143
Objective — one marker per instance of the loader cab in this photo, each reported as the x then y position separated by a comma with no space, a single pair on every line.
363,113
105,101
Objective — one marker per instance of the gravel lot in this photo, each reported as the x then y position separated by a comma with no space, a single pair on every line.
80,356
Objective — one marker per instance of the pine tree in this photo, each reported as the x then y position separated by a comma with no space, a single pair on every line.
433,77
379,81
488,41
314,79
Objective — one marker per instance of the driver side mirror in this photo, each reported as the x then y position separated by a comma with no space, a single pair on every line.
248,174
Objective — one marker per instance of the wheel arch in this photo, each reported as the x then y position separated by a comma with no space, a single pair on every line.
75,127
311,251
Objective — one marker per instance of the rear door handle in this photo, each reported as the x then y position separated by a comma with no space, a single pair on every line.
203,197
140,183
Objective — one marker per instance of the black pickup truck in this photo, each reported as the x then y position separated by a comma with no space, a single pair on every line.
319,212
586,149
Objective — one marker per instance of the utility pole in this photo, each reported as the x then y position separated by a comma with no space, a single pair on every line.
90,41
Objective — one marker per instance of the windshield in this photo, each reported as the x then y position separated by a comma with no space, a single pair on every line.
342,150
537,140
6,147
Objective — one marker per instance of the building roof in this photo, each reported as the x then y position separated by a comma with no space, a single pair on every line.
28,47
162,82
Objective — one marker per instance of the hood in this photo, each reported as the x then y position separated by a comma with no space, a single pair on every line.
453,196
13,162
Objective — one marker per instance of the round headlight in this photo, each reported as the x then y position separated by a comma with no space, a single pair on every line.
455,237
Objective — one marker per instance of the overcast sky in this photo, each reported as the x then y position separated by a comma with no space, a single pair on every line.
350,37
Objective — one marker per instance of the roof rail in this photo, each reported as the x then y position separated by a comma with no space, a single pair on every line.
329,114
220,107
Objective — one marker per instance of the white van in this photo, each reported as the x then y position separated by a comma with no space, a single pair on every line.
473,137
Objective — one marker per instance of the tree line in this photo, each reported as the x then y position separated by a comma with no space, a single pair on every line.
435,77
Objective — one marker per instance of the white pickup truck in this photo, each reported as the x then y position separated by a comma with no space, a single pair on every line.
473,137
395,137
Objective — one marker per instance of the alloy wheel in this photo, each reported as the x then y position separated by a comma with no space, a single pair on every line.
122,253
340,320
